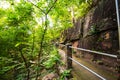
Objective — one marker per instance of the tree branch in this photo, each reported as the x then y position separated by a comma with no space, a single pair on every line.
26,64
43,35
51,7
41,45
37,7
43,10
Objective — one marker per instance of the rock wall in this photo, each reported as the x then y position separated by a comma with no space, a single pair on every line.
96,31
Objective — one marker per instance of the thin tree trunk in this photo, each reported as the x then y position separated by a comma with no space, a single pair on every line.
43,35
26,65
41,45
33,42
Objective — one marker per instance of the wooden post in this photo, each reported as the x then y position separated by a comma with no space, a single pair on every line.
68,54
68,61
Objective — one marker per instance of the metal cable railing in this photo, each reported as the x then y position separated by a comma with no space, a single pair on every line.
87,50
118,19
101,53
99,76
62,45
87,68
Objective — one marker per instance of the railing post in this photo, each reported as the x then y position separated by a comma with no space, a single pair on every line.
68,54
68,61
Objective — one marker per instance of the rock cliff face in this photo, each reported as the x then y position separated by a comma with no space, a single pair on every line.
96,31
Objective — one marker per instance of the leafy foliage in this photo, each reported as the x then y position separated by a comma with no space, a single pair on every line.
65,74
53,58
28,31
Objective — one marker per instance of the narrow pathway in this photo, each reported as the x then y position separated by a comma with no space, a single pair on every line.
80,73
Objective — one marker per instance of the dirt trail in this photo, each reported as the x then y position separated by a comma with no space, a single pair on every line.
80,73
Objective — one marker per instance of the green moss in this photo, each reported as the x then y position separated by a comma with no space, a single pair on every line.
99,62
93,29
100,39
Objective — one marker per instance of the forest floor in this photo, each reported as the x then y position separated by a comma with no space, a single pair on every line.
79,73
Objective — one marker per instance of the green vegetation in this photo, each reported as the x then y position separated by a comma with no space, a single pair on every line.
28,30
65,74
93,29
